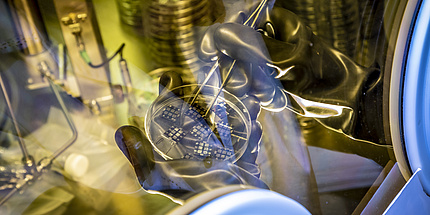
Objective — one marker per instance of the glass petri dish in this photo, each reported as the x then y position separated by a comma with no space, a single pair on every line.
178,130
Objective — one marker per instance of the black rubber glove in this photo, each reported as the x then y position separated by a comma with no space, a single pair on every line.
181,176
318,80
246,79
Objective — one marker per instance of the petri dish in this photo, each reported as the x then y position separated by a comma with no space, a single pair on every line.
178,130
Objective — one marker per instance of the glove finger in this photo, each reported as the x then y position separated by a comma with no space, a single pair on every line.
207,50
252,103
239,81
138,150
284,25
279,101
169,80
241,43
214,81
167,84
251,151
262,86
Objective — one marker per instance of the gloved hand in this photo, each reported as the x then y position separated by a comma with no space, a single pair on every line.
188,170
317,80
245,79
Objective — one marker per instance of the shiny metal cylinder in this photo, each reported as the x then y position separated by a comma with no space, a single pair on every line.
130,12
170,25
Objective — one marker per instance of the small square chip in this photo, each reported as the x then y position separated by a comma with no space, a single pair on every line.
203,149
174,133
200,131
170,113
223,153
222,109
196,113
223,129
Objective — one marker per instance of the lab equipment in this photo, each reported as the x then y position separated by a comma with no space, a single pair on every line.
33,169
82,38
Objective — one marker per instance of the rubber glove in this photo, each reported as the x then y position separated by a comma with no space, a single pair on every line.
185,176
316,80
